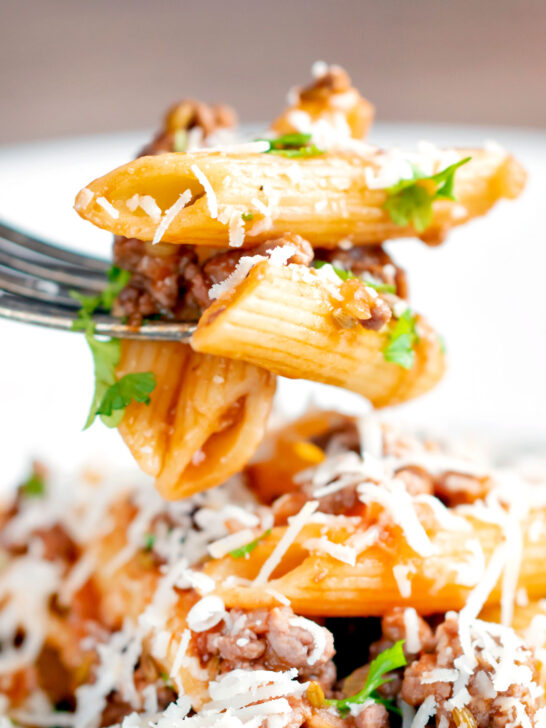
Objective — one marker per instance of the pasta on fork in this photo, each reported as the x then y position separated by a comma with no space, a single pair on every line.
274,248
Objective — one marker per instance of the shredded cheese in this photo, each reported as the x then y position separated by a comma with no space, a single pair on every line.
170,214
212,201
108,207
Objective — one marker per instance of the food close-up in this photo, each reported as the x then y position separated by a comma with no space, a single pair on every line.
267,571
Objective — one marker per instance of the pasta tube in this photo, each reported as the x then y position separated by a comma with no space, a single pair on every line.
206,417
318,584
284,320
203,197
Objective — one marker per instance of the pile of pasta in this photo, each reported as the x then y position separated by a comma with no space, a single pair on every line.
352,576
332,573
273,248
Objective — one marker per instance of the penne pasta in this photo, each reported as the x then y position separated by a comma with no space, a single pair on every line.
320,585
326,198
206,417
285,319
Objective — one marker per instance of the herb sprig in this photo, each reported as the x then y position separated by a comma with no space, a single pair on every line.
346,274
390,659
402,339
111,395
292,145
34,486
243,551
409,201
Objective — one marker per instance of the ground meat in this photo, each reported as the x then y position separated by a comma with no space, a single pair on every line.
373,716
58,546
371,259
335,80
187,115
457,488
486,711
416,479
174,284
266,639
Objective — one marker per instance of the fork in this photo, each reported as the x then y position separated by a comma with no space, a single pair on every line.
36,279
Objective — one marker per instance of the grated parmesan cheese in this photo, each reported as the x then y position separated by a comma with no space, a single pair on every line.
425,712
401,574
344,553
108,207
212,201
411,625
170,214
296,523
206,613
317,633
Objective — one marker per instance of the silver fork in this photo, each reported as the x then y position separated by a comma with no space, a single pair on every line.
35,283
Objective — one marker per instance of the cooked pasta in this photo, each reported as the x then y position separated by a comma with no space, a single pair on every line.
327,198
194,611
334,573
291,322
206,417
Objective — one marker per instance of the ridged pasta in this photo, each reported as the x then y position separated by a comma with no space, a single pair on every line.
281,319
206,417
324,198
319,585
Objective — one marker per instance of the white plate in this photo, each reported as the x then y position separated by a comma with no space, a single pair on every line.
484,290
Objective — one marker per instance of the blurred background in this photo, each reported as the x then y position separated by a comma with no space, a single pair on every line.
82,84
74,67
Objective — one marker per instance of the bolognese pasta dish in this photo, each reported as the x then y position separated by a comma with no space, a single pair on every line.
333,572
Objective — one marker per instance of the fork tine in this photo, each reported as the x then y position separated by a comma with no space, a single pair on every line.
23,310
37,288
61,254
72,277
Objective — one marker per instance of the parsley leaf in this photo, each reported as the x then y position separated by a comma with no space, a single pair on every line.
387,661
111,396
117,280
244,551
149,541
180,142
402,339
292,145
106,356
131,387
247,216
410,200
340,272
346,274
34,485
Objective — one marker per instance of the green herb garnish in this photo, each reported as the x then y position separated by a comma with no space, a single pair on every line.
244,551
166,679
111,395
34,485
149,541
346,274
402,339
180,142
410,200
389,660
292,145
247,216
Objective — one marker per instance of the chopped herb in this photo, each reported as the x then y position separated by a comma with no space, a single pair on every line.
111,396
442,343
180,143
131,387
380,287
340,272
244,551
34,485
149,541
247,216
346,274
292,146
387,661
117,280
166,679
410,200
402,339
